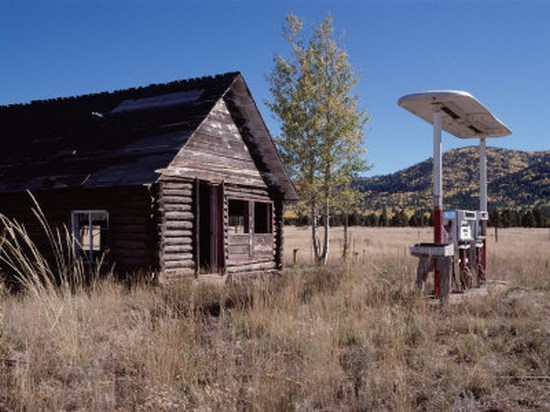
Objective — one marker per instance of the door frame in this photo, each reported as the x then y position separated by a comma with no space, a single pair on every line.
215,231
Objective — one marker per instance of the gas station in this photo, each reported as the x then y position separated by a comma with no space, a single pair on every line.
458,254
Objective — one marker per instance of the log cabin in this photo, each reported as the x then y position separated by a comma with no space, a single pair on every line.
180,179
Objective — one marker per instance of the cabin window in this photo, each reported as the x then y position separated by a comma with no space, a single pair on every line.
249,217
250,229
90,228
238,216
262,217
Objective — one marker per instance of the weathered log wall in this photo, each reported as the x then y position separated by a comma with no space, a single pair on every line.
131,236
176,228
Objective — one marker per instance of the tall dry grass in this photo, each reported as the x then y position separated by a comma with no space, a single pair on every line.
351,336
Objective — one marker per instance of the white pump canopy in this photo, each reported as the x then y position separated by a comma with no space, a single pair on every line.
462,114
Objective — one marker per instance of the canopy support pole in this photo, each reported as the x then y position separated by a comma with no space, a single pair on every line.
483,198
438,190
482,175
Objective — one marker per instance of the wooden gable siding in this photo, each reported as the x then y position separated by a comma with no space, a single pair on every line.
216,152
131,238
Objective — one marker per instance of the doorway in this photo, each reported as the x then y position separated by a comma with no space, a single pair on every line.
210,228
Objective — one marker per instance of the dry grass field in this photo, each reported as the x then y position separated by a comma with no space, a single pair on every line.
351,336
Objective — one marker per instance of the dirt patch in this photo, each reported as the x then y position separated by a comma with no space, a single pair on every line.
492,286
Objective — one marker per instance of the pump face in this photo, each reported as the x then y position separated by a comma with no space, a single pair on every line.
460,225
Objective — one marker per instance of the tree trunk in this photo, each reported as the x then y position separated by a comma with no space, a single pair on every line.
324,256
314,234
345,246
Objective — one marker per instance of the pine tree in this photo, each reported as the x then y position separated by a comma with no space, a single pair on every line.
321,123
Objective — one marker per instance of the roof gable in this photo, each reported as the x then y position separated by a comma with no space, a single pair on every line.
258,139
217,153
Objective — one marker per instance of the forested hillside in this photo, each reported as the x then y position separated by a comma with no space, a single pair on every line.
516,180
518,190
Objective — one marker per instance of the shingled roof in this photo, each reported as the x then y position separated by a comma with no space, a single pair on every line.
124,137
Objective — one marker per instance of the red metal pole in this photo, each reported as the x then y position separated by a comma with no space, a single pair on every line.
438,239
484,253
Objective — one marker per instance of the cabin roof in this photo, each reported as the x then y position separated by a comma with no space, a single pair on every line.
125,137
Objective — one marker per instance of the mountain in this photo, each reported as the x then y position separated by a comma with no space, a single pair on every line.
515,179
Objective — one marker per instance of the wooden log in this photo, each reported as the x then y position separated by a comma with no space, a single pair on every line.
176,193
182,224
175,184
178,265
186,192
177,248
178,257
253,267
176,241
248,197
237,260
173,207
209,173
179,215
240,188
169,233
174,200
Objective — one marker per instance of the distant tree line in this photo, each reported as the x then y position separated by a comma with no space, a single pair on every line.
535,217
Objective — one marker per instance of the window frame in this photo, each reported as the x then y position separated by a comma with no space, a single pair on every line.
88,255
267,218
247,227
252,236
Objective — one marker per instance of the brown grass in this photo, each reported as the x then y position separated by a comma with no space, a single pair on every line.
351,336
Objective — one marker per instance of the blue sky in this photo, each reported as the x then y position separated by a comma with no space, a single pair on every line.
497,50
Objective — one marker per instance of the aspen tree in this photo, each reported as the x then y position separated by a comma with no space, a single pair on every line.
321,137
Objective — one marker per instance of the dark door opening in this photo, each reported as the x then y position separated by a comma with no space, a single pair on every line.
210,228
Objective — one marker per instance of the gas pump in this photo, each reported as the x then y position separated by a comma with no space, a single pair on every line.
460,237
459,226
